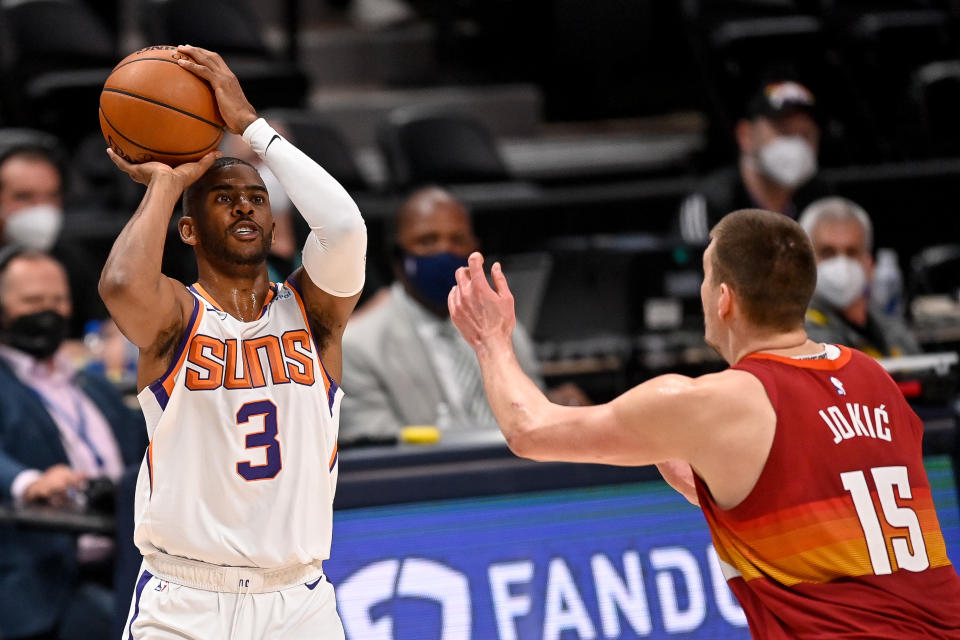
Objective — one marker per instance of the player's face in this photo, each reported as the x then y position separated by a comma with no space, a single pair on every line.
236,224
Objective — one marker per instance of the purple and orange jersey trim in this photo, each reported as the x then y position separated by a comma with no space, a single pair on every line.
334,456
162,387
329,384
150,465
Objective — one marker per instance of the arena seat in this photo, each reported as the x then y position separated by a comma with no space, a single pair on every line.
230,28
324,144
935,92
423,147
936,270
882,43
57,57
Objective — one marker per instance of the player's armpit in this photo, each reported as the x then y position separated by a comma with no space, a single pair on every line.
679,475
327,315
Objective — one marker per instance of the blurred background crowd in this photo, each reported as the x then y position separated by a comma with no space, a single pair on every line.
590,146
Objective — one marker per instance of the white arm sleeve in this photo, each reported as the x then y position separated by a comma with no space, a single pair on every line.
335,253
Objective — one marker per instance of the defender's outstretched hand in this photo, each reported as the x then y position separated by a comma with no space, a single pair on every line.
187,173
236,110
482,313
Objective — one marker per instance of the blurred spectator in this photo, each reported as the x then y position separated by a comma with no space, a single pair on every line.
840,311
58,430
285,252
779,140
109,354
374,15
404,363
31,216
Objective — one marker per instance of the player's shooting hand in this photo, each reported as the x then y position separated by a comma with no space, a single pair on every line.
482,313
236,110
184,174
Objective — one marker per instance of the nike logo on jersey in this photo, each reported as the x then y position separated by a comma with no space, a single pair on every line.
217,312
213,363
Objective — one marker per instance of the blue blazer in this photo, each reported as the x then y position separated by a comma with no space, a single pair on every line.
38,569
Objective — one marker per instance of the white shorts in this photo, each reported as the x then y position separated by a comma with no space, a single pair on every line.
161,609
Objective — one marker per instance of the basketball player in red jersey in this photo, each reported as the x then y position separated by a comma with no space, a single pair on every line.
805,457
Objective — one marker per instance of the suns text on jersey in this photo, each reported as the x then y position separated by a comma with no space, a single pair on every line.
857,420
269,359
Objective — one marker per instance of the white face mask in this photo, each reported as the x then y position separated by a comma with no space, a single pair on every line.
840,281
35,227
787,160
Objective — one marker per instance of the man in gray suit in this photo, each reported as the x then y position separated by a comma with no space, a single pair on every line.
404,363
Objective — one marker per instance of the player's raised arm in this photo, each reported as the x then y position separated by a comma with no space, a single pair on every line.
667,417
145,304
334,257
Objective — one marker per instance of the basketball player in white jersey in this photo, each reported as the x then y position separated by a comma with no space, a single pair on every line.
237,379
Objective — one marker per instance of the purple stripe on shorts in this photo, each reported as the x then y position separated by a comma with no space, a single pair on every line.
141,583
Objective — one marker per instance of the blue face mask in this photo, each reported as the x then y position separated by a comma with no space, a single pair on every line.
433,275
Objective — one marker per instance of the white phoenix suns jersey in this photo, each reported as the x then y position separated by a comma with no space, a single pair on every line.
242,464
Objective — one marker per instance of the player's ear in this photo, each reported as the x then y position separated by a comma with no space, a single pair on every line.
725,301
188,232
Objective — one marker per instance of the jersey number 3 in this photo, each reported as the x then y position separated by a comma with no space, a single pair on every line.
910,551
266,438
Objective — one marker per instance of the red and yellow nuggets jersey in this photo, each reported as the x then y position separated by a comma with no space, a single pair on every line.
839,537
242,464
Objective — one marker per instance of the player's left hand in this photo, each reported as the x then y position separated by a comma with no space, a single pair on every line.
482,313
236,110
146,172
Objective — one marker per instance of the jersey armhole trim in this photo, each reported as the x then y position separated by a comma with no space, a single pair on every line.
329,384
162,387
736,512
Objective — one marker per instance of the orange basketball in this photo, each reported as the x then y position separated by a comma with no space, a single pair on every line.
153,109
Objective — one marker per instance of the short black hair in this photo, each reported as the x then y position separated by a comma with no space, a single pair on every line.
194,194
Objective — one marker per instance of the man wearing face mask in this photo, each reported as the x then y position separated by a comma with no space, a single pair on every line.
779,139
31,216
58,430
404,363
840,311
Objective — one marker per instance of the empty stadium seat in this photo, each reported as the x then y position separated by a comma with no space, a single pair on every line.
445,148
57,57
230,28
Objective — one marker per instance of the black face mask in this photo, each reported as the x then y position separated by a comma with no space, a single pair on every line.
39,334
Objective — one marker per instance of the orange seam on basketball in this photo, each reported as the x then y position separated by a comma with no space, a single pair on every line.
160,151
162,104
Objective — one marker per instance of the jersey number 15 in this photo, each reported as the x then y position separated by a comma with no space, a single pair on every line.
910,551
